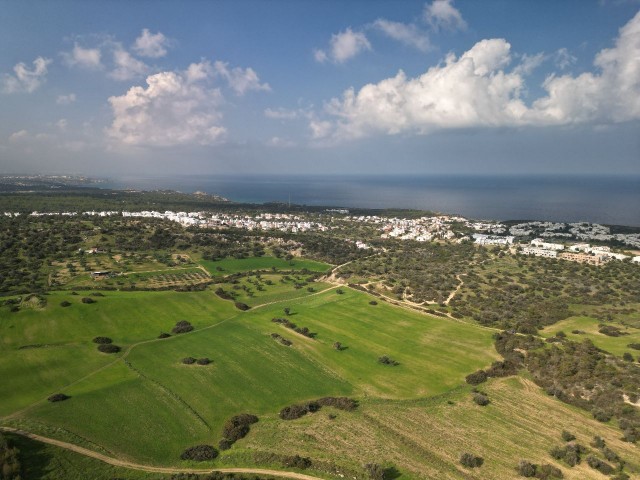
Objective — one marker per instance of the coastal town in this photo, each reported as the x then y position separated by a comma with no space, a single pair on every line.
528,238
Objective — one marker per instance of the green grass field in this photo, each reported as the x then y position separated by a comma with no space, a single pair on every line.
614,345
144,405
233,265
151,407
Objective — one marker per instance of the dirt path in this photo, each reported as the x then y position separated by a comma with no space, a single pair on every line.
455,292
148,468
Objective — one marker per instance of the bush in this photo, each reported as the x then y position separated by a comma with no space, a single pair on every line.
108,348
375,471
88,300
281,339
600,465
296,461
547,471
601,415
65,303
188,360
567,436
338,346
236,428
242,306
199,453
203,361
526,469
385,360
102,340
225,444
293,412
58,397
341,403
635,346
182,327
373,302
598,442
627,357
476,378
164,335
470,460
481,399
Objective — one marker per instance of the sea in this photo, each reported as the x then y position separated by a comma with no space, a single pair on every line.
611,200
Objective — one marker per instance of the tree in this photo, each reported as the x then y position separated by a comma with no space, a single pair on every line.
287,311
526,468
568,436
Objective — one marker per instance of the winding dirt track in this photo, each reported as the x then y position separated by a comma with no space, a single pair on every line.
147,468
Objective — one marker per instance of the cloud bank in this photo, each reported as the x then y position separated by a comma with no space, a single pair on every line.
478,90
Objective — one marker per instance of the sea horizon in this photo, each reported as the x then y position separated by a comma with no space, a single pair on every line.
610,199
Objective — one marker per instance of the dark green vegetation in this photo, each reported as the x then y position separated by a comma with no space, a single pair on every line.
10,468
491,360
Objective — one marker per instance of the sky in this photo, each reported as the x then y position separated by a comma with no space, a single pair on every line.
320,87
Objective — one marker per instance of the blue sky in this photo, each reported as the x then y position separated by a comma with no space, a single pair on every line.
443,86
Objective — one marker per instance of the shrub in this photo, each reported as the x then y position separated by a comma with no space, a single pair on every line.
567,436
627,357
338,346
293,412
102,340
236,428
601,415
341,403
470,460
164,335
600,465
203,361
88,300
339,291
199,453
373,302
476,378
526,469
182,327
225,444
281,339
547,471
65,303
385,360
481,399
58,397
296,461
635,346
375,471
598,442
108,348
242,306
188,360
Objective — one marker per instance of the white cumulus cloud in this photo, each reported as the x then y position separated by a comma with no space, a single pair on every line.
478,90
25,79
240,80
281,113
152,45
19,135
344,46
175,108
88,58
441,14
127,67
408,34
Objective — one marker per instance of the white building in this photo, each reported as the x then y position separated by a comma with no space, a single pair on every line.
538,242
539,252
